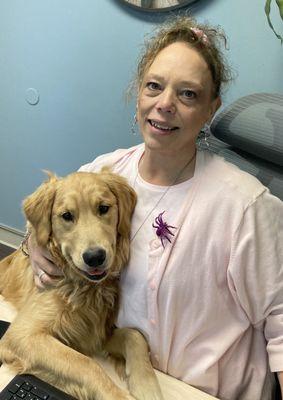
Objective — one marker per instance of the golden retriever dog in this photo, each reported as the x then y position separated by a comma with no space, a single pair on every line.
84,221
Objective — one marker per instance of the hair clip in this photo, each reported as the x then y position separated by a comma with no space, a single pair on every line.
200,35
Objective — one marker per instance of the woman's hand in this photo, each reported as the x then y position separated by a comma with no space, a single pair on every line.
46,273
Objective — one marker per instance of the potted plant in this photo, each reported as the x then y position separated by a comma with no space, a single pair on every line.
267,12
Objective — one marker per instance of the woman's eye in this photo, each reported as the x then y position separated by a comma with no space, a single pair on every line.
153,86
189,94
68,216
103,209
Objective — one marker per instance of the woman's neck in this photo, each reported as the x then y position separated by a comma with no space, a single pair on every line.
167,169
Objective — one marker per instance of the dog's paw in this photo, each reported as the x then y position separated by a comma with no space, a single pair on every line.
130,397
147,394
117,394
145,389
123,396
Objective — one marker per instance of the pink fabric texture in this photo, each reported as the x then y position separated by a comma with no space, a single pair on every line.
216,312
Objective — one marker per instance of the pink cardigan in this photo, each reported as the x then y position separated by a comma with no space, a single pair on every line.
217,310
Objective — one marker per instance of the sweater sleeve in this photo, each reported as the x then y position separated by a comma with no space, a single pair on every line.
256,270
107,159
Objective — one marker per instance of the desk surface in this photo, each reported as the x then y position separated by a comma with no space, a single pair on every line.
171,387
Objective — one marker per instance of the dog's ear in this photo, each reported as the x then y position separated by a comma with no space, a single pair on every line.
126,198
38,209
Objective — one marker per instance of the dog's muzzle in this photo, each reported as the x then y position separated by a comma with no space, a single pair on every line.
95,261
94,257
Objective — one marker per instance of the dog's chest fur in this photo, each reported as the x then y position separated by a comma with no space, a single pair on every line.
86,315
80,314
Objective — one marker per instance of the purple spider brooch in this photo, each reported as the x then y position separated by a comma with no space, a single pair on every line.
162,229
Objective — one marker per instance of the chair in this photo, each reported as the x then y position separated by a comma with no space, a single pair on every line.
249,133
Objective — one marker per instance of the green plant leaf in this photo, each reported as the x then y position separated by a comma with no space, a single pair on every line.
280,6
267,9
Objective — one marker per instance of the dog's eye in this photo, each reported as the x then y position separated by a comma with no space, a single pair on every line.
67,216
103,209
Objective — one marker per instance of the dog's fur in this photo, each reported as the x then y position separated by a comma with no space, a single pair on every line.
58,331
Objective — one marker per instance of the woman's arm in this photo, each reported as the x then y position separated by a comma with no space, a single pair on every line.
256,272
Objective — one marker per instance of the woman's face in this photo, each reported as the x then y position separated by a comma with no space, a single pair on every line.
175,99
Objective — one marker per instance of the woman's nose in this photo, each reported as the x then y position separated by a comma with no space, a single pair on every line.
166,102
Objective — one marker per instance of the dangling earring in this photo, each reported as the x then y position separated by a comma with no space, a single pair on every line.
202,139
133,126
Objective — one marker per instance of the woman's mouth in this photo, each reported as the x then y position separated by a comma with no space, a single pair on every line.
160,126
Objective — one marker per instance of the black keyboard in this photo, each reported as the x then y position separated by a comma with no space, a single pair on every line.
4,325
29,387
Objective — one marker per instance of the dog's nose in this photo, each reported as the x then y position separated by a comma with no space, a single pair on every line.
94,257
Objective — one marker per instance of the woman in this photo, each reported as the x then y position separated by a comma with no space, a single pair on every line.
203,282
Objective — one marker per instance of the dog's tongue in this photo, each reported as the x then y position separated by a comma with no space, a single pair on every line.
95,271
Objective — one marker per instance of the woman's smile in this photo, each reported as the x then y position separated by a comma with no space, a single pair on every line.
162,127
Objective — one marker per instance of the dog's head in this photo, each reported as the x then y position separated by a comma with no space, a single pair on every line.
87,216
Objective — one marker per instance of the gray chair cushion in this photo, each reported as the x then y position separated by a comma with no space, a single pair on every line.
268,173
253,124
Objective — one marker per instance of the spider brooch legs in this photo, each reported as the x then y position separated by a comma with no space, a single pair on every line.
162,229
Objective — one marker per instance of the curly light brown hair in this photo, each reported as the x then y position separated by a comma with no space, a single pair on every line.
203,38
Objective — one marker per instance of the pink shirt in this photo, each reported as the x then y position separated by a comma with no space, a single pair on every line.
215,311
